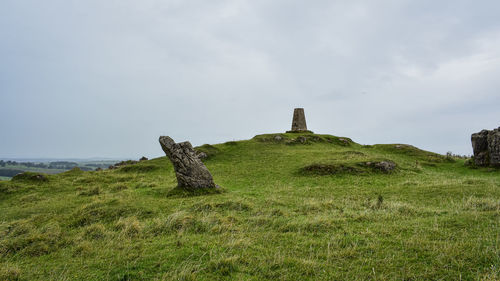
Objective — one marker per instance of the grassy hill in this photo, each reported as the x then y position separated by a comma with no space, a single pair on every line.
293,207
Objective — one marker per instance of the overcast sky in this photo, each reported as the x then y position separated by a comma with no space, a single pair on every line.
86,78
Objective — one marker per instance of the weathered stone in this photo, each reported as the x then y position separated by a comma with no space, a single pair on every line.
191,173
299,121
480,148
494,147
302,139
278,138
383,166
202,155
486,147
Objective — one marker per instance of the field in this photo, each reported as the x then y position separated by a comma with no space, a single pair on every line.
296,207
9,170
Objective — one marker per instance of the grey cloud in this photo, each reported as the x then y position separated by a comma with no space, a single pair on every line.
105,78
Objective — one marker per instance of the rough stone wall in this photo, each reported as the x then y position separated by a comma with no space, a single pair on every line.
486,147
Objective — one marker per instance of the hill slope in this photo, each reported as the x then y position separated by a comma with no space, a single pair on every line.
295,207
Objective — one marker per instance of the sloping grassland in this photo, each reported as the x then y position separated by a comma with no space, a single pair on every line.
293,207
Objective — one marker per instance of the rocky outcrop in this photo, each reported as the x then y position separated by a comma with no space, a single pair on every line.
191,173
382,166
486,147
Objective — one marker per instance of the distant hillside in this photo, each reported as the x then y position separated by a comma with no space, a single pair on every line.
292,207
10,168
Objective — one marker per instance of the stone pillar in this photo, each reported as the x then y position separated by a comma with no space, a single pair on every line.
299,121
191,173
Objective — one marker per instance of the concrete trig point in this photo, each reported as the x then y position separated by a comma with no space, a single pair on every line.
299,122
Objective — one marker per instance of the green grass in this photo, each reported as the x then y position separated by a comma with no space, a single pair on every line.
430,219
4,178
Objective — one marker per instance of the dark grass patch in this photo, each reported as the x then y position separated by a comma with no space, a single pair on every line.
136,168
351,153
8,187
90,191
358,168
31,177
208,149
330,169
223,206
224,267
73,172
179,192
231,143
414,152
144,185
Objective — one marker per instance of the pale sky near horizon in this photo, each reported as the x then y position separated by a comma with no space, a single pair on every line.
102,78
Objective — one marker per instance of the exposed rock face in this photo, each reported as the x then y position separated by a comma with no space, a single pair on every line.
494,146
191,173
486,147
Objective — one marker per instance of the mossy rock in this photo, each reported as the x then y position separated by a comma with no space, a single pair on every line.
31,177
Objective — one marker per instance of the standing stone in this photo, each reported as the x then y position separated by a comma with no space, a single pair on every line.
486,147
299,121
494,147
480,148
191,173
